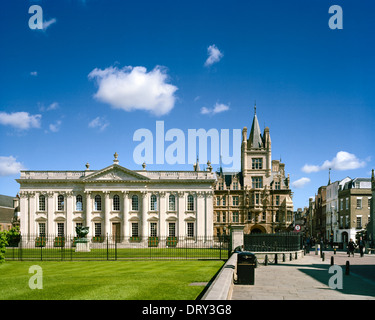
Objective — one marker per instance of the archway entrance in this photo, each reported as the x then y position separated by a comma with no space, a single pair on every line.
257,229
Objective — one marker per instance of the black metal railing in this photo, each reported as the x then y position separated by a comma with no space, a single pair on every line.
273,242
110,247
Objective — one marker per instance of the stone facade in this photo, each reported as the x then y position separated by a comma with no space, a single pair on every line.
259,196
117,201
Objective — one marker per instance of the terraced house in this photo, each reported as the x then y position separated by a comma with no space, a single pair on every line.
258,196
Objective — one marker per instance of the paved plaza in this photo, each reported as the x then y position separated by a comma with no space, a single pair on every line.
308,279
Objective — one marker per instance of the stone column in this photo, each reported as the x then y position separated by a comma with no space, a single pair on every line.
200,214
88,213
107,210
24,209
144,224
162,209
237,236
69,214
51,201
181,214
125,215
32,209
209,215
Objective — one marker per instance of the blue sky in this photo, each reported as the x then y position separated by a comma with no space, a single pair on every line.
76,91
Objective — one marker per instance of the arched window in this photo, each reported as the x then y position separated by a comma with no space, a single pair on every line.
190,203
116,203
135,203
98,203
172,203
42,203
60,202
79,206
154,203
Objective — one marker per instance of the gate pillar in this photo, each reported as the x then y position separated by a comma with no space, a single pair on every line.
236,236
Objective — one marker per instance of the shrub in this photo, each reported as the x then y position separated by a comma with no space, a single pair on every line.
3,244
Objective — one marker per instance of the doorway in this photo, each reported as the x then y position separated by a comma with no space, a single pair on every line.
116,231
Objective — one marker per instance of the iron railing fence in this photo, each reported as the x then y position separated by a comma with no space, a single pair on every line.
109,247
275,242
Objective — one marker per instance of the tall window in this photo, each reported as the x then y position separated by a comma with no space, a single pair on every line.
218,201
154,203
224,201
257,182
277,185
153,229
172,229
347,203
190,203
135,229
257,163
235,185
98,203
235,216
190,229
235,200
359,203
60,202
79,206
135,203
277,201
218,217
42,229
221,185
256,198
116,203
98,229
60,229
172,203
359,222
42,203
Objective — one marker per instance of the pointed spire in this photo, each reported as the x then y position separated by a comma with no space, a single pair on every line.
255,138
329,176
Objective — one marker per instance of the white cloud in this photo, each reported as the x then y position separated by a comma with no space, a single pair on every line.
34,73
47,24
214,55
218,108
99,123
56,126
342,161
52,106
300,183
9,166
20,120
133,88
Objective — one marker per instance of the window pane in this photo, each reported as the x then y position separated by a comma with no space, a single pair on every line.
98,203
190,203
172,229
190,229
79,206
172,203
116,203
135,203
134,229
60,202
153,229
154,203
60,229
98,229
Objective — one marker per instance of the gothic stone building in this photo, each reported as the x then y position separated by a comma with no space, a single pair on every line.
118,202
259,196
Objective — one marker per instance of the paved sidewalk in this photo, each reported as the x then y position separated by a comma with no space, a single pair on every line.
307,279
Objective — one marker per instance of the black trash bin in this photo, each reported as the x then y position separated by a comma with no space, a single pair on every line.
246,264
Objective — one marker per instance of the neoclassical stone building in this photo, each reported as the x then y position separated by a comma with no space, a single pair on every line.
118,202
259,196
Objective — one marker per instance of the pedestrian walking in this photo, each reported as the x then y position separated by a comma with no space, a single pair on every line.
361,245
351,247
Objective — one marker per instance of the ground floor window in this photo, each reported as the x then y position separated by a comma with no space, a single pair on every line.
42,229
98,229
172,229
135,229
190,229
153,229
60,229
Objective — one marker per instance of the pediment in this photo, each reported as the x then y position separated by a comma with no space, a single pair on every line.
115,173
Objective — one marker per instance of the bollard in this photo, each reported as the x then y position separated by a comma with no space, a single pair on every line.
283,257
322,256
296,257
290,257
347,268
266,260
332,261
275,258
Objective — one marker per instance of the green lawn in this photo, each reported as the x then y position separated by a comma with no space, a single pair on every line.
102,280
